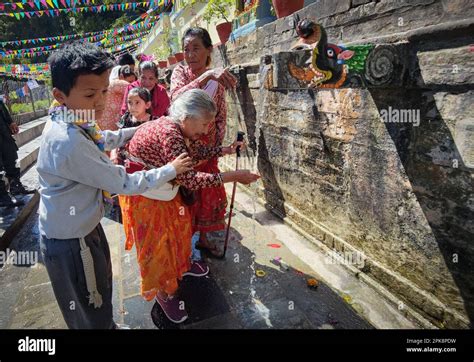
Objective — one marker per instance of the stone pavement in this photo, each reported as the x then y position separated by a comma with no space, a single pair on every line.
232,296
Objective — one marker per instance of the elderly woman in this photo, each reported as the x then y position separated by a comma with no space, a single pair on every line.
209,210
148,78
159,223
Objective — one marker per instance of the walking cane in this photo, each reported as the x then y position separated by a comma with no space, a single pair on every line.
240,138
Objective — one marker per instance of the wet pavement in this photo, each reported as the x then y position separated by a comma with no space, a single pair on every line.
244,290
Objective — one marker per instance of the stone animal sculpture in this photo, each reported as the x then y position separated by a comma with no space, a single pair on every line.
330,63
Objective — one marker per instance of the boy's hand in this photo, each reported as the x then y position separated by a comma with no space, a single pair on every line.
182,163
114,157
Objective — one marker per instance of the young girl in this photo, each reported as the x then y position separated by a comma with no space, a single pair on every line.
139,108
139,111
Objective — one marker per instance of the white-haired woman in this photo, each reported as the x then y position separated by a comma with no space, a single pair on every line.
159,223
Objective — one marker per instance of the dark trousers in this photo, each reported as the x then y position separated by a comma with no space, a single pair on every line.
65,269
8,157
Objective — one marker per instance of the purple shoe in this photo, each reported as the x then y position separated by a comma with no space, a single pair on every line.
172,310
198,269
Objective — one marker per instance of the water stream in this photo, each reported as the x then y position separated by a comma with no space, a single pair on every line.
261,312
258,307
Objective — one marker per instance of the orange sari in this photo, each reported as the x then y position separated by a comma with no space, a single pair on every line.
161,231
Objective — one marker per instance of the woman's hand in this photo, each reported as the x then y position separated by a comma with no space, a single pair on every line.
246,177
182,163
221,75
242,176
233,148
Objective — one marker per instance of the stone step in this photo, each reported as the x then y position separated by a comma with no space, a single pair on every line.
28,153
29,131
29,178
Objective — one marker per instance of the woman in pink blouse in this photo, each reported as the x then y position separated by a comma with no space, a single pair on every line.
158,222
148,78
209,210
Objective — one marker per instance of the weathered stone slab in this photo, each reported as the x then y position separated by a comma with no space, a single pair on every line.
453,66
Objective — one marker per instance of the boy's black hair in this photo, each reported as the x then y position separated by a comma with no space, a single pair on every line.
75,59
126,59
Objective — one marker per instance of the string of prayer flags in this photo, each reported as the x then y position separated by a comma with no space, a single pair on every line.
24,68
98,39
34,41
52,11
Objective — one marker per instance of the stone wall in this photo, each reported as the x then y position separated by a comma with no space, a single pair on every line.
399,193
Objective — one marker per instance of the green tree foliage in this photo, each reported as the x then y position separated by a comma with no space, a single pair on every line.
215,9
218,9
